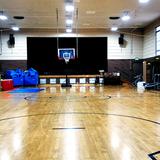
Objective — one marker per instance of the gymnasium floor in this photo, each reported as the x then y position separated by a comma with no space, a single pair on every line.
85,122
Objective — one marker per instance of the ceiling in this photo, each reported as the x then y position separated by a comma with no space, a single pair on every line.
87,14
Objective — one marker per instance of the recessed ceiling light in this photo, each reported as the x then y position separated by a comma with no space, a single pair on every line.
69,8
15,28
136,58
86,24
3,17
143,1
114,28
90,12
69,21
68,30
126,18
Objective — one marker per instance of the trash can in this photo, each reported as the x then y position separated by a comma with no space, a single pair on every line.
7,84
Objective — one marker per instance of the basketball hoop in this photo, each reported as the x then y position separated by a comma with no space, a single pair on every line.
66,57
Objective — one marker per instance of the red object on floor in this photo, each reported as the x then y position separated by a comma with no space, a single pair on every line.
7,84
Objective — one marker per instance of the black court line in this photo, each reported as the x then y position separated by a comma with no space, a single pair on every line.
69,99
39,99
81,113
70,128
152,155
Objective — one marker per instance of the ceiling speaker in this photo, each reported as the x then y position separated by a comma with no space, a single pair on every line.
121,39
11,40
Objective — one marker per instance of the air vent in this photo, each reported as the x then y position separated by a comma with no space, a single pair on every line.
18,17
114,18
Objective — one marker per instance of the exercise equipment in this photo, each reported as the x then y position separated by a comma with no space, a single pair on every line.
155,85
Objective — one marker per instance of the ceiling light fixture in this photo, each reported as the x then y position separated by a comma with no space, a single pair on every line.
86,24
2,16
15,28
90,12
144,1
69,8
126,16
69,21
68,30
114,29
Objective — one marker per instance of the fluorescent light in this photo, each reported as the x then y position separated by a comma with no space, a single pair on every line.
3,17
68,30
86,24
114,28
143,1
90,12
69,8
136,58
15,28
126,18
69,21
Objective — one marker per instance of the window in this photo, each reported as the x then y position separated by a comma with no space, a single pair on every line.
157,40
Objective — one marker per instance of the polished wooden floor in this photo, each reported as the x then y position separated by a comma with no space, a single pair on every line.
85,122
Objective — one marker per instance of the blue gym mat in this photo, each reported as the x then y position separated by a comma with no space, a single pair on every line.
26,90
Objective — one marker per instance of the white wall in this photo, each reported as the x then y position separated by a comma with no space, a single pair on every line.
149,40
19,52
133,48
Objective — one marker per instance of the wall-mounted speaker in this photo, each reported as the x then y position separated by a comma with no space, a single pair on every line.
121,39
11,40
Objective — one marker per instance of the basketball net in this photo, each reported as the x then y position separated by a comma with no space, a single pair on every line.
66,57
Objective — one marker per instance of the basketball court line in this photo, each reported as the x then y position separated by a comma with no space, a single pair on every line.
64,98
69,128
154,156
81,113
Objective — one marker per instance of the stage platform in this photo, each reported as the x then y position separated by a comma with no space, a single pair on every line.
73,79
